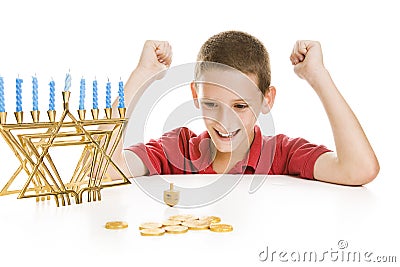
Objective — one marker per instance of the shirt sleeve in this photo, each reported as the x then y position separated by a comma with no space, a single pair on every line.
296,156
163,155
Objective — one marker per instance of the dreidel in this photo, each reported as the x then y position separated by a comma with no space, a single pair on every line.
171,196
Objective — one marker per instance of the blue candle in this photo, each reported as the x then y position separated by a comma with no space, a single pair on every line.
2,103
121,101
35,93
67,82
108,95
82,95
52,95
95,96
18,94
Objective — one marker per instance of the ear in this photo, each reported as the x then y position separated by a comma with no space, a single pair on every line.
269,98
194,94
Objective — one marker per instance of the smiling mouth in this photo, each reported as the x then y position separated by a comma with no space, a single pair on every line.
227,135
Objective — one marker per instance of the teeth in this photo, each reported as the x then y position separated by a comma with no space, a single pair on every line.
226,135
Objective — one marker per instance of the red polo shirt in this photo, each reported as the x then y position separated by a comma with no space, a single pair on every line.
181,151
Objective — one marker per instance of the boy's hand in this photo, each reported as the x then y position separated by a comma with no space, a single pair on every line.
307,60
156,56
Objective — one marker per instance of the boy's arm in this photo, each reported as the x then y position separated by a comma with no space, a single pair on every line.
156,56
354,162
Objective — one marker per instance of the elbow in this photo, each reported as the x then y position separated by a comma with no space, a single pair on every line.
364,174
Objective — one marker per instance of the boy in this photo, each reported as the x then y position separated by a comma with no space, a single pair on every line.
230,116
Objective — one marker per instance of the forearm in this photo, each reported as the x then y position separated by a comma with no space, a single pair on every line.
134,87
354,152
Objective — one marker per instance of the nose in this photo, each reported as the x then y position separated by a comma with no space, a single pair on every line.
226,117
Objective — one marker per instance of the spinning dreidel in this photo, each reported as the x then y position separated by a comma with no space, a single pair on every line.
171,196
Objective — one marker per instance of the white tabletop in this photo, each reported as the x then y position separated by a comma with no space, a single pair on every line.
285,214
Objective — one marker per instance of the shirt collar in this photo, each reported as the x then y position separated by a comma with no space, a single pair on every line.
251,160
199,151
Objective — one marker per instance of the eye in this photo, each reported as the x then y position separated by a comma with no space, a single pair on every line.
209,104
240,106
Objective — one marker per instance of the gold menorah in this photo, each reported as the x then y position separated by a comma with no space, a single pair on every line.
31,144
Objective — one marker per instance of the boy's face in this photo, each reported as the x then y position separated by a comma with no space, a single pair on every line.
230,103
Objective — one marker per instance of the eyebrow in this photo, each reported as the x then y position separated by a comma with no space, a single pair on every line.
235,100
242,99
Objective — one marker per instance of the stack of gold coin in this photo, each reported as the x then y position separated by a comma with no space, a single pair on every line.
181,223
171,223
211,219
152,231
150,225
176,229
197,224
183,217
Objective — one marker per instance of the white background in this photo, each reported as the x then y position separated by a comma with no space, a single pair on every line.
104,39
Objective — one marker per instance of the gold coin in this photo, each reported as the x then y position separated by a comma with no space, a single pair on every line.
152,232
176,229
116,225
196,224
221,228
171,222
150,225
199,222
211,219
183,217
